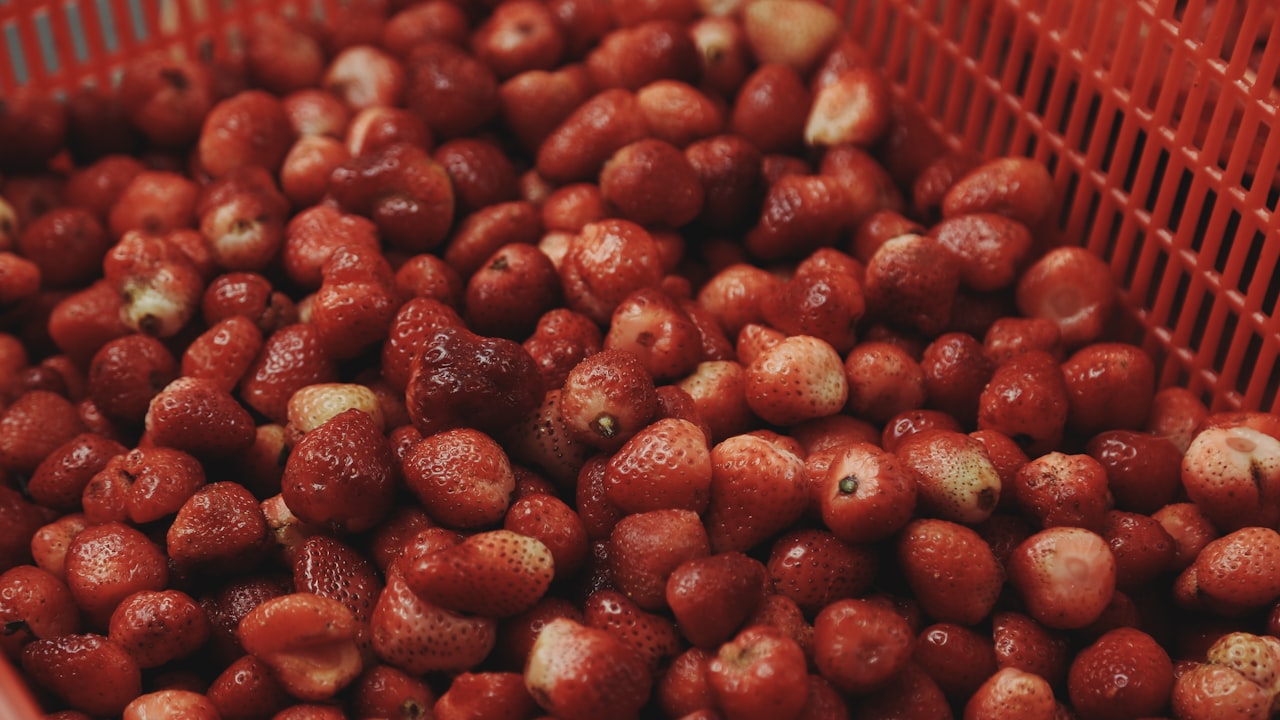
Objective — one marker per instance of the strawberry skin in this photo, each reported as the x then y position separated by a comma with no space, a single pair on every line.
498,573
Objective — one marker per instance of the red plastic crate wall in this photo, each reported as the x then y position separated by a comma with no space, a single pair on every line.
1158,119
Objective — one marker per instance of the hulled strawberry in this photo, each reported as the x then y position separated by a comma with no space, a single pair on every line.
577,672
860,645
308,641
1065,575
497,573
1012,693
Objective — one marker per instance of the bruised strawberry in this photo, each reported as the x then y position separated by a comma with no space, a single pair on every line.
341,475
654,636
711,597
950,569
142,485
308,641
418,637
757,489
497,573
459,378
87,672
577,672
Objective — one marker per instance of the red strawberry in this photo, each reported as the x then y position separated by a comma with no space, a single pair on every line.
157,627
1142,548
951,570
462,477
757,489
859,644
492,695
1023,643
309,642
607,398
782,612
219,529
542,441
87,672
341,475
34,605
1012,693
142,485
419,637
665,465
291,358
386,692
109,562
711,597
683,689
59,481
414,323
577,672
654,636
228,606
223,353
19,522
495,574
516,635
759,675
1061,489
798,379
644,549
553,523
1212,690
33,426
1124,674
1065,575
332,569
1241,568
815,568
246,689
196,416
958,658
866,494
172,702
909,695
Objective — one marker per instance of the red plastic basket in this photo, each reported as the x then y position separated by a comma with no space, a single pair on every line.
1157,119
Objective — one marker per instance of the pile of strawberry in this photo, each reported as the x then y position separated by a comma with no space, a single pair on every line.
589,359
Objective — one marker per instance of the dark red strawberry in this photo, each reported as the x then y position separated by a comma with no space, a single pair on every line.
711,597
332,569
497,573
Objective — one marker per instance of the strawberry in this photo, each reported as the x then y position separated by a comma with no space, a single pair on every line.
800,378
607,398
814,568
497,573
332,569
1210,689
909,694
413,324
308,641
460,379
562,339
1144,470
1026,399
87,672
126,373
955,477
665,465
517,634
142,485
1012,693
341,475
246,689
196,416
1124,674
711,597
1023,643
644,549
859,645
866,494
419,637
951,570
577,672
34,605
33,426
291,358
462,477
654,636
1233,474
220,528
760,673
958,658
553,523
59,480
1142,548
599,516
541,440
1061,489
757,489
1065,575
1241,568
683,688
157,627
171,702
109,562
651,324
495,695
384,691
